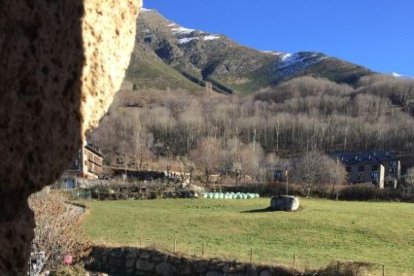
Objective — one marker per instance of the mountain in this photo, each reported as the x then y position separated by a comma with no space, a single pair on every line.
169,55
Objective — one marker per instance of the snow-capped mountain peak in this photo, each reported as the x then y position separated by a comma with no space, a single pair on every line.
185,35
202,56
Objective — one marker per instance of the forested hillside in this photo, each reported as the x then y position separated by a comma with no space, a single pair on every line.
304,114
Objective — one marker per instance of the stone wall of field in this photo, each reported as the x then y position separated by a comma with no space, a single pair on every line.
139,261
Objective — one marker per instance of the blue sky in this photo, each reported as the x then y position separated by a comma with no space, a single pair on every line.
378,34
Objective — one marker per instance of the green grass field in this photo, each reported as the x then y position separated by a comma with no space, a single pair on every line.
321,232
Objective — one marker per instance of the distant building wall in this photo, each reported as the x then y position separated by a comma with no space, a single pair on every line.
87,164
92,162
375,167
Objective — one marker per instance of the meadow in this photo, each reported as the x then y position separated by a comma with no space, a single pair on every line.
321,232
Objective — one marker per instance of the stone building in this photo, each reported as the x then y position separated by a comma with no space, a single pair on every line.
88,164
381,168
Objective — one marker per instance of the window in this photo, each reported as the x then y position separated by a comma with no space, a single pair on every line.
348,169
361,169
375,168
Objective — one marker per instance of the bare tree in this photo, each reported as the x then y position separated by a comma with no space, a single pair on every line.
250,158
207,157
186,168
142,142
315,168
301,115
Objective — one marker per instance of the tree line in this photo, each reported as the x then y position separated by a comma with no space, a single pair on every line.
246,135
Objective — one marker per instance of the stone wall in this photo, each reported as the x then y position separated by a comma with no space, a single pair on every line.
139,261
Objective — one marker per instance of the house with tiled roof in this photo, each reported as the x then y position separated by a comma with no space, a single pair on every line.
381,168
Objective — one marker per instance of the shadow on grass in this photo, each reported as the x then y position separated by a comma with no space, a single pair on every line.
264,210
270,210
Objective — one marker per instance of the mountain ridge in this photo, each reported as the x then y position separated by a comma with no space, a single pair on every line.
188,58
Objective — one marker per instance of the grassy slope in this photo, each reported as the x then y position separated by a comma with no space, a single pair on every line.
147,72
321,232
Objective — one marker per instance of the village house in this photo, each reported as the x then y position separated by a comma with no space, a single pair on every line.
381,168
88,164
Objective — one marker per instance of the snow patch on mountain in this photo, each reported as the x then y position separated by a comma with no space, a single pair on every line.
288,64
186,40
286,57
145,10
182,31
185,35
210,37
400,76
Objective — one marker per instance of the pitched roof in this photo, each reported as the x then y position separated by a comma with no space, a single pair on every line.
352,158
95,149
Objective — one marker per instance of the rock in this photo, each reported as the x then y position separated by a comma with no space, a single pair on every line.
236,274
237,267
116,263
159,257
251,271
132,253
201,267
145,255
62,62
266,272
129,263
186,269
165,269
284,203
215,273
145,265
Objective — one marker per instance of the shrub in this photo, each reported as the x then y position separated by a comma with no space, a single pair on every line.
69,271
57,226
362,192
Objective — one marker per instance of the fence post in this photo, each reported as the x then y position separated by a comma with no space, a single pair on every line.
294,259
251,255
383,270
140,241
203,249
175,245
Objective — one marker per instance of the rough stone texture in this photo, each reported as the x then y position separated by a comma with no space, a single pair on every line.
100,261
108,39
284,203
215,273
60,64
165,269
266,273
145,265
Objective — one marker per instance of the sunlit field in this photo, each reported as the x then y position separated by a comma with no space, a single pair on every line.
322,231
